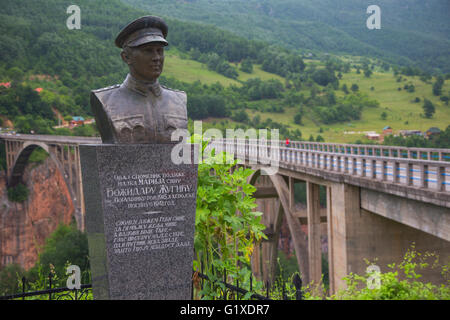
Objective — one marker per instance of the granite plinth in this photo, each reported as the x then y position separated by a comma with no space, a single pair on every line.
140,218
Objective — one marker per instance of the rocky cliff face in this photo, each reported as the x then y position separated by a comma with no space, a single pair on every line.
24,227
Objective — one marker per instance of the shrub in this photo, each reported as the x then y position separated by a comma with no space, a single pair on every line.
10,277
428,108
65,246
401,283
224,239
18,193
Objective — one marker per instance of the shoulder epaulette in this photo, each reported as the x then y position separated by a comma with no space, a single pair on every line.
107,88
167,88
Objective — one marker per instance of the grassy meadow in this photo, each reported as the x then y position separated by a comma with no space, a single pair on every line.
402,112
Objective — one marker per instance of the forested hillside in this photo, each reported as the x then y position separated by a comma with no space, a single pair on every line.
230,81
412,31
37,47
36,41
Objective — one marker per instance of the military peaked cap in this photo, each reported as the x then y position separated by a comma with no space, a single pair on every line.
143,30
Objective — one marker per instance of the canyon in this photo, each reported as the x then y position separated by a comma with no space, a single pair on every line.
25,226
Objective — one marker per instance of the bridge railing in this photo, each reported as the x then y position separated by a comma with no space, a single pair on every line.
414,167
428,174
431,154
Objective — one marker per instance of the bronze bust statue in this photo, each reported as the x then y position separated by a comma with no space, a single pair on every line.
140,110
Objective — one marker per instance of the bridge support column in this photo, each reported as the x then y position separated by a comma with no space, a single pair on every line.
344,223
272,215
79,188
298,237
12,148
314,244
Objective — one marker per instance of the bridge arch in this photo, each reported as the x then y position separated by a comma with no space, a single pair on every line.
284,192
21,159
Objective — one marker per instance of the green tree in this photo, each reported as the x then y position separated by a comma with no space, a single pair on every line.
354,87
298,118
367,73
65,245
437,86
437,89
345,89
16,74
428,108
247,66
10,277
240,116
19,193
323,77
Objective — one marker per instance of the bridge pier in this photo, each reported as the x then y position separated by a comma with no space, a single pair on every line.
344,224
314,243
264,256
12,149
355,234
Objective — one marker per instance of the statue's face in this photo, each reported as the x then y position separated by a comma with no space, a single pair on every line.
146,61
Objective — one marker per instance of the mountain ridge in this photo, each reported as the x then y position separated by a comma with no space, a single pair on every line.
412,32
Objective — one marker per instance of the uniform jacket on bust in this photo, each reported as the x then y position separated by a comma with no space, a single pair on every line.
138,112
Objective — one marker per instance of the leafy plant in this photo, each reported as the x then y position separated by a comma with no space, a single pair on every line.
65,246
401,283
227,227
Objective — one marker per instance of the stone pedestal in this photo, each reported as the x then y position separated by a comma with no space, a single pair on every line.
140,217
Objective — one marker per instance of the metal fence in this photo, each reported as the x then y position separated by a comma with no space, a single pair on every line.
199,280
51,293
427,169
235,291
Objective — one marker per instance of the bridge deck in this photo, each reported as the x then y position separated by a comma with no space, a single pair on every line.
50,138
401,173
418,173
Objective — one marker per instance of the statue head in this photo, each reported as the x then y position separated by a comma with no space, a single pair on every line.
142,42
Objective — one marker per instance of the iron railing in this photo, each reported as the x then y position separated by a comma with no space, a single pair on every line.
228,291
392,165
62,293
235,291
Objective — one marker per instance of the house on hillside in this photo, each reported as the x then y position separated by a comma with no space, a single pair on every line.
38,90
76,121
373,136
409,133
387,130
5,84
433,131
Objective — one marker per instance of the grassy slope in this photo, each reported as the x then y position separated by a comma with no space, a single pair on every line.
397,104
189,71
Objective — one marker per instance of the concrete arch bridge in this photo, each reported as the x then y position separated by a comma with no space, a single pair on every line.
378,198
